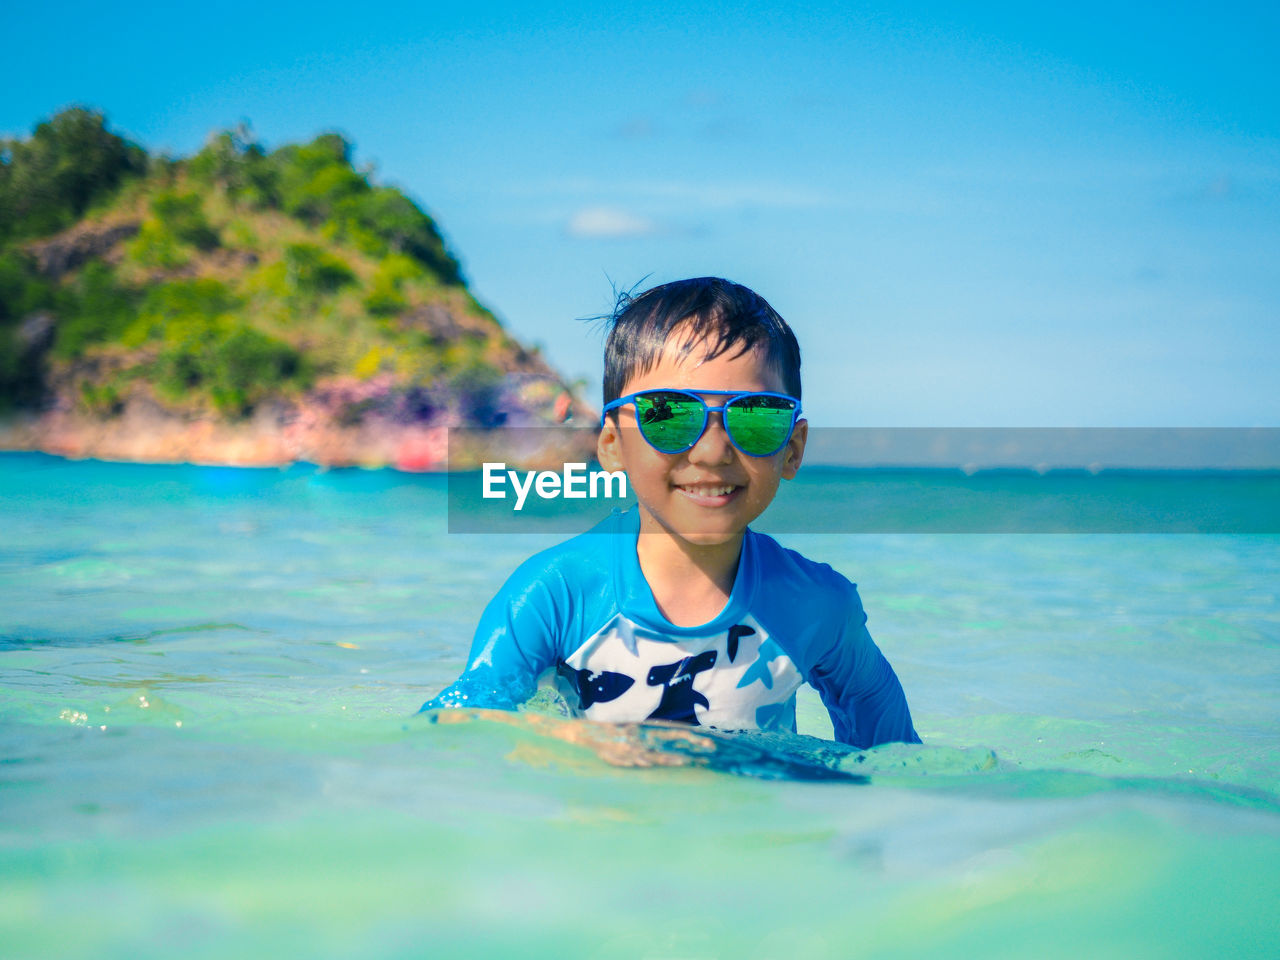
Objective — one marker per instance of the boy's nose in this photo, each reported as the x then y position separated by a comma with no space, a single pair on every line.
713,447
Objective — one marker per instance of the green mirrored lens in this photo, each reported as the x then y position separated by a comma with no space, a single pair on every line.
670,421
759,425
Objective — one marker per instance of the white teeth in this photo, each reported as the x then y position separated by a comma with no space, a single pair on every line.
720,491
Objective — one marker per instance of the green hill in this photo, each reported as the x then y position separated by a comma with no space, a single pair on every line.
237,293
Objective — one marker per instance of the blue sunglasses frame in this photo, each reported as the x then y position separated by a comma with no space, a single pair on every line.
707,410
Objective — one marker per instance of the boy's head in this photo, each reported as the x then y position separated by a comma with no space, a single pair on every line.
675,356
708,314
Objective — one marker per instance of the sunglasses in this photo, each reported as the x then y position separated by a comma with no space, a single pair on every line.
672,421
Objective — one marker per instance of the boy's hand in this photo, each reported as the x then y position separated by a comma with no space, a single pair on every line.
658,743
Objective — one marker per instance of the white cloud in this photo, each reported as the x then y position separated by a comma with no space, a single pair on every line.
682,196
637,128
727,196
608,223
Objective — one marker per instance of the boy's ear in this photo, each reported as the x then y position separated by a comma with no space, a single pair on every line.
608,445
793,452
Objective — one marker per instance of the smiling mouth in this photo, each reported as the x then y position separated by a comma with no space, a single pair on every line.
710,494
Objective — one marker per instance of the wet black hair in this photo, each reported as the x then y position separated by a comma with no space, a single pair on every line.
723,317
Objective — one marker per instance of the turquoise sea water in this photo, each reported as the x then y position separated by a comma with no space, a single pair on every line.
207,746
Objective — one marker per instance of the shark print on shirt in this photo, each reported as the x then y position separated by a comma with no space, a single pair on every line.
717,680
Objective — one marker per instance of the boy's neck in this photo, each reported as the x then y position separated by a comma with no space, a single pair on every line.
691,583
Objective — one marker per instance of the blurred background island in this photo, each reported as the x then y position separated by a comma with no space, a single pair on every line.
240,306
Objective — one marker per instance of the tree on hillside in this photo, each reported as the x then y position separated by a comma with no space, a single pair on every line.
316,183
70,161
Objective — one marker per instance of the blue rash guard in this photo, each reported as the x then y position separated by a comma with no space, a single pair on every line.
584,610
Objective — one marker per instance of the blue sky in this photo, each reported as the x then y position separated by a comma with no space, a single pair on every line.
1015,217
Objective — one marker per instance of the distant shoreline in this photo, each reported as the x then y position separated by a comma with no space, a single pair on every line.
271,441
258,443
887,470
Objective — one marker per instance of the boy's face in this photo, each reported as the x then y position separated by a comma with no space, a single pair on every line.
684,494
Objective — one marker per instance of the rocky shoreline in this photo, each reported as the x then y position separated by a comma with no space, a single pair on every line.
339,424
257,444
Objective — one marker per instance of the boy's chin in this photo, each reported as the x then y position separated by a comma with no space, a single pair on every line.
697,534
709,539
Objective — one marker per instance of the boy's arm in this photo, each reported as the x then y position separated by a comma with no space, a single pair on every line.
514,643
859,688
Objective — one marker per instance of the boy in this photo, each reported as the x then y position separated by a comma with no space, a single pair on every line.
680,612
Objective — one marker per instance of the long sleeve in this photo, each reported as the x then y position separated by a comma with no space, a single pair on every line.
859,688
514,642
